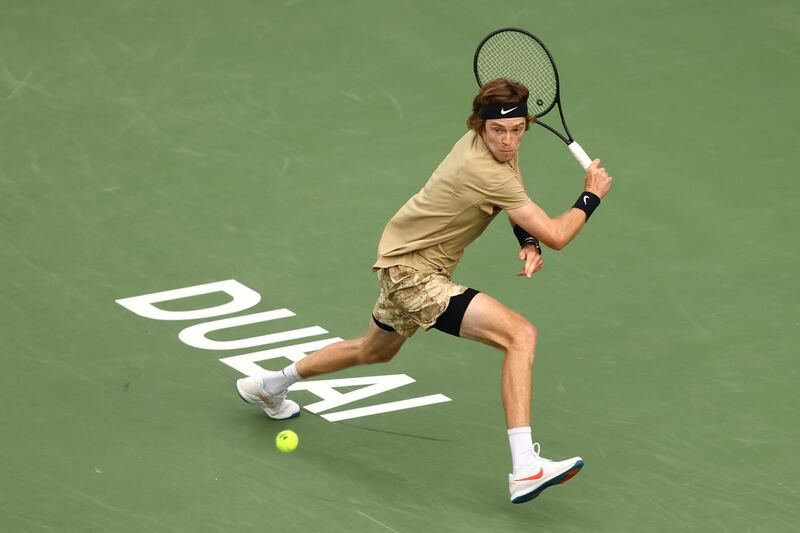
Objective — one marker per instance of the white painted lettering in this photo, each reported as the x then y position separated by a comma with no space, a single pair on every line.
386,407
242,298
246,363
331,398
196,335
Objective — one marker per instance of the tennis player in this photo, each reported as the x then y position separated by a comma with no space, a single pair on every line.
417,255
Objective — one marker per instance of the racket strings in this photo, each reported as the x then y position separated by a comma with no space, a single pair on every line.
516,56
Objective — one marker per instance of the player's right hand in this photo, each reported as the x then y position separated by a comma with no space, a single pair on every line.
597,179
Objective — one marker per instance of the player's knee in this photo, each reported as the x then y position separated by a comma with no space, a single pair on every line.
524,337
530,333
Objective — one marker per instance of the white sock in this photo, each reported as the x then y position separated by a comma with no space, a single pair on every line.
521,447
280,381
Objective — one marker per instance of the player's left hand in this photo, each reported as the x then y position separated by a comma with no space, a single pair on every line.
533,261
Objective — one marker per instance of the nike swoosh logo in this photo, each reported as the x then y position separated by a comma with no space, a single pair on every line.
584,199
506,112
535,476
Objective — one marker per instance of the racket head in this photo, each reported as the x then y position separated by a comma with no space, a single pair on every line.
520,56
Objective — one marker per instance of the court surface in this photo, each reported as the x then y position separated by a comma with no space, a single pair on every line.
151,146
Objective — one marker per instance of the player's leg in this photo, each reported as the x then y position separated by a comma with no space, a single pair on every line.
489,321
269,391
377,346
480,317
380,344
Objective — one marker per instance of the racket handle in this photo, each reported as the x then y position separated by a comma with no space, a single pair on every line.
579,154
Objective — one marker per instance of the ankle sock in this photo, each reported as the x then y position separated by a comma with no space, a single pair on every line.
280,381
521,443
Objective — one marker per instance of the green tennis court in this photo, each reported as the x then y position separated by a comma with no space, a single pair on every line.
154,146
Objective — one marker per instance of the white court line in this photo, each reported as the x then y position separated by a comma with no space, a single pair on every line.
365,515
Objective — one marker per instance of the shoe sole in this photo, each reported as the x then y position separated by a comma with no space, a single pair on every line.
293,415
561,478
248,402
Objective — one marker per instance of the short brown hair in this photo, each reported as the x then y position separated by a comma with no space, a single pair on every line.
499,91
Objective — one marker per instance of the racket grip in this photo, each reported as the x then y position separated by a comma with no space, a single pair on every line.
579,154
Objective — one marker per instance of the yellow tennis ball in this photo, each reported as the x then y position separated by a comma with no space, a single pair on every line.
287,441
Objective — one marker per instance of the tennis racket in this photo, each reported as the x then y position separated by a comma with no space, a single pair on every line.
520,56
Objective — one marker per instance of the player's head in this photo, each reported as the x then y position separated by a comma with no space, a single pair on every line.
500,116
499,91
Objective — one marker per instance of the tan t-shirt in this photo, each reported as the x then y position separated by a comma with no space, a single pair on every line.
461,198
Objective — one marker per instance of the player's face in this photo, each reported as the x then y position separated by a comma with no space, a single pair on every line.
502,136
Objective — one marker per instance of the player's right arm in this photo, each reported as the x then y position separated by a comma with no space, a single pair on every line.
557,232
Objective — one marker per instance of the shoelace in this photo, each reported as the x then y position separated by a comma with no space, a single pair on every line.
536,449
271,401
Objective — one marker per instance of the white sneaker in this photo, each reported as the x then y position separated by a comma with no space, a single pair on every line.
542,473
251,389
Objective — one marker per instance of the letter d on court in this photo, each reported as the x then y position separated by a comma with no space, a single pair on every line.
241,298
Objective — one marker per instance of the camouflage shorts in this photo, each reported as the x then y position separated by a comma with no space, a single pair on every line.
410,298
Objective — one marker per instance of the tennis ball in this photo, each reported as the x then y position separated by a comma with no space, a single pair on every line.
287,441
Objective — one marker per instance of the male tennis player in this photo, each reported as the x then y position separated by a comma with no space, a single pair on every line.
418,252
